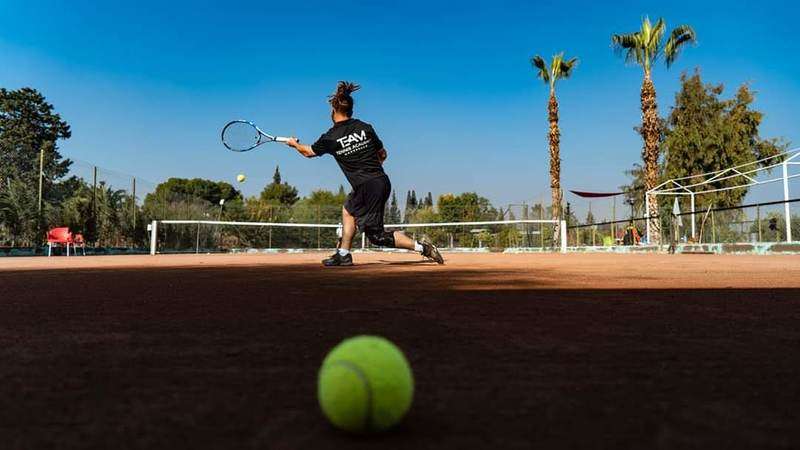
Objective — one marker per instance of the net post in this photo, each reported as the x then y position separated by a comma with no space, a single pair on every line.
363,241
563,230
153,234
197,242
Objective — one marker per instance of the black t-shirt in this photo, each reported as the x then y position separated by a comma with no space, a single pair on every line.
355,146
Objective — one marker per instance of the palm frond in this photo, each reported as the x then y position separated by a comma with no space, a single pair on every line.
680,36
647,45
555,64
566,67
657,33
629,45
540,65
646,28
623,42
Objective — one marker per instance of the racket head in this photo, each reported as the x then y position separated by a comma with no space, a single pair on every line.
241,136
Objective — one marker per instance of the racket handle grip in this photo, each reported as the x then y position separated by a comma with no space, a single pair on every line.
282,139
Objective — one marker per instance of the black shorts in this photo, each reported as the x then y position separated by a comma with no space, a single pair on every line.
367,202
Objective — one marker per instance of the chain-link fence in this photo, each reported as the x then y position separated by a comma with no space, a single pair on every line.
763,222
104,206
112,211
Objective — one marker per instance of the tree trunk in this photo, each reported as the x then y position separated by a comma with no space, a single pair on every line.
555,162
651,135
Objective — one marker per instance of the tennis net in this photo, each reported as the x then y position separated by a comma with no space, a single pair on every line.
209,236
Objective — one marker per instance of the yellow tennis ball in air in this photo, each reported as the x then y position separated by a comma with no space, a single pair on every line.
365,384
240,178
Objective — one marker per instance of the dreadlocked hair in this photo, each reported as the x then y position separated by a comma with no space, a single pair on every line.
342,101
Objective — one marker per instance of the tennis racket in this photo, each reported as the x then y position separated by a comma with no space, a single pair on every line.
243,136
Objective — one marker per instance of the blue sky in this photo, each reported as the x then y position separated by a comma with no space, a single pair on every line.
146,85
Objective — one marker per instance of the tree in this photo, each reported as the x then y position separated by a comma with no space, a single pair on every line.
322,206
428,203
276,176
279,193
466,207
392,214
559,68
589,218
196,198
29,125
29,131
197,188
705,133
644,48
634,192
411,206
275,201
18,211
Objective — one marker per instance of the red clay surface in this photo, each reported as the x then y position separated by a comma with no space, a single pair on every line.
508,351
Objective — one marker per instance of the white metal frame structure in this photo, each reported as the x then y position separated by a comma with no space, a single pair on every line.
153,227
747,172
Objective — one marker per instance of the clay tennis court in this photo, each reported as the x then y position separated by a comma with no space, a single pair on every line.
508,351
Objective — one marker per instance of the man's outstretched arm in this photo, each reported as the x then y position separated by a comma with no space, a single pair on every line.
303,149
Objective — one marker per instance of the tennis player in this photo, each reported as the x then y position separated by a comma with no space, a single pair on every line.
360,154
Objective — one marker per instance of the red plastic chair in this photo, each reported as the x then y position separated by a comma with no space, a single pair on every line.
58,236
78,241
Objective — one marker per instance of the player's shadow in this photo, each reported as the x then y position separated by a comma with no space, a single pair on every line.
422,262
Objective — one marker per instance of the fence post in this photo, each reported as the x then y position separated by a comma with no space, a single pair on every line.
541,225
758,218
614,220
786,210
41,176
713,229
647,216
153,237
563,236
134,203
694,233
94,205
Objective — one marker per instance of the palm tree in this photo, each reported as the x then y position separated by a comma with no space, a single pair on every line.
559,68
644,48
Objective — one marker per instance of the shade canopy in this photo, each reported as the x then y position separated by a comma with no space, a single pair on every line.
596,194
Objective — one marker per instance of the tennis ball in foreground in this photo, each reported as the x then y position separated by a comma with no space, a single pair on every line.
240,178
365,384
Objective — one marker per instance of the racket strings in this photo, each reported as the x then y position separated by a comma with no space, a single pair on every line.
241,136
